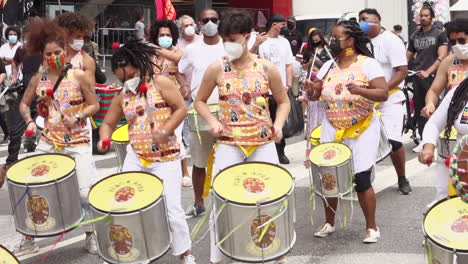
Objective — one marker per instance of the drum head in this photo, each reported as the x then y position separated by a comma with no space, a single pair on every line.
330,154
7,257
120,135
315,136
213,109
252,182
40,169
126,192
446,224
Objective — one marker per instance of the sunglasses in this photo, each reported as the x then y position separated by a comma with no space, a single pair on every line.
461,41
207,19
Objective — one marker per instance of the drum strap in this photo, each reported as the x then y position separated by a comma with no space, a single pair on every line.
354,131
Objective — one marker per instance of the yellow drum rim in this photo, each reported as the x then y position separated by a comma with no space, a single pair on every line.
445,231
104,194
7,256
315,136
32,166
453,134
341,151
120,135
271,192
213,109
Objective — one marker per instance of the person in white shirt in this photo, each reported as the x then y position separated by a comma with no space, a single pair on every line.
390,52
140,27
277,50
8,50
188,32
196,59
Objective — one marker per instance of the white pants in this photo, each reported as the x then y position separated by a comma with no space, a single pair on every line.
227,155
171,174
442,179
392,116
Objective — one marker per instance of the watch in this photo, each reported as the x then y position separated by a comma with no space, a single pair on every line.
78,118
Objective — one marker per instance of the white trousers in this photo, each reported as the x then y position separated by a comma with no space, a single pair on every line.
442,179
227,155
171,174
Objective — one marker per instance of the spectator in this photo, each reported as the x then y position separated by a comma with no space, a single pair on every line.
397,31
315,44
188,32
293,36
8,50
140,27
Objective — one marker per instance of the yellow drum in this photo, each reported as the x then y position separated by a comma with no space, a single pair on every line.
315,136
331,169
258,199
444,147
45,190
196,123
136,230
6,257
120,141
446,230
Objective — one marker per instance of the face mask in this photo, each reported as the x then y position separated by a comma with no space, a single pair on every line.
234,50
461,51
165,42
13,39
366,26
284,31
316,43
335,47
291,26
132,84
56,61
189,31
210,29
77,44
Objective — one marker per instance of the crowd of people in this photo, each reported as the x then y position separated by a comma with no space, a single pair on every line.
350,84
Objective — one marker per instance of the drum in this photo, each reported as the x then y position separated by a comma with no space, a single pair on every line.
385,148
120,141
315,136
256,199
44,193
136,229
442,149
6,257
445,228
196,123
331,169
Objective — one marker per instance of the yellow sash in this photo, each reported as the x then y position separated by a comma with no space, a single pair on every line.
354,131
389,93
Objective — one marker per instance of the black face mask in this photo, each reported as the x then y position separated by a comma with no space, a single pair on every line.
291,26
284,31
316,44
335,47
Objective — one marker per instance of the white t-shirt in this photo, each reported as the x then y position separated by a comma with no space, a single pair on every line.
140,29
371,68
197,57
278,51
8,52
390,52
182,43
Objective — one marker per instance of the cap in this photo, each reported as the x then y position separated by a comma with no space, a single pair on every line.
292,19
275,18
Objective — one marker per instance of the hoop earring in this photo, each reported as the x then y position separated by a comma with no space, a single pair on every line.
349,52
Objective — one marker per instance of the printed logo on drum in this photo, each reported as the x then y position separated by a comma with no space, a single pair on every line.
264,241
121,241
253,185
124,194
40,170
460,225
38,210
329,154
328,182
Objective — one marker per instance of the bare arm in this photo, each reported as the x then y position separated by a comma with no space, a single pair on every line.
112,118
289,71
400,74
2,77
409,55
174,99
171,55
184,88
14,73
438,85
208,83
280,96
28,96
377,90
89,68
258,41
442,53
89,94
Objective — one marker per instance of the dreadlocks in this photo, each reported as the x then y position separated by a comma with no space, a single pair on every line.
352,29
136,54
458,103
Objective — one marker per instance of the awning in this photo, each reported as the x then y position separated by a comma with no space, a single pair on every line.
461,5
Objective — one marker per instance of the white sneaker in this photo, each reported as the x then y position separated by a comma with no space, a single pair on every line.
91,244
418,148
325,230
26,246
372,236
188,260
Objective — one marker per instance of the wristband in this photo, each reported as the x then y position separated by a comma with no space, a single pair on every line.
30,121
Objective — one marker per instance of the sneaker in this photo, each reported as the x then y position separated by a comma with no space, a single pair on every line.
404,187
186,181
188,259
372,236
91,244
283,159
418,149
25,247
194,211
325,230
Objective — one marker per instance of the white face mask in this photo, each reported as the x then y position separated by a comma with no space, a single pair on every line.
77,44
210,29
234,50
189,31
132,84
461,51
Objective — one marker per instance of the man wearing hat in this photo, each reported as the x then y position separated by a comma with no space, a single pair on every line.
292,35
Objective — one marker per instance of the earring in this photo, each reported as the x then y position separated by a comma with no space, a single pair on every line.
349,52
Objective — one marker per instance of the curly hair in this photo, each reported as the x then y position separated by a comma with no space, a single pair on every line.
164,23
13,28
136,54
353,30
42,32
235,21
458,103
75,21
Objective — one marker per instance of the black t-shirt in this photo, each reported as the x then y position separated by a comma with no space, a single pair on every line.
2,67
425,45
31,64
295,40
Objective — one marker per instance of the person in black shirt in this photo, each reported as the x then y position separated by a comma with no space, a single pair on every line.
294,37
315,43
3,76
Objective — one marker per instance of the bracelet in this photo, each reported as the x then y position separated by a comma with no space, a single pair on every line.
30,121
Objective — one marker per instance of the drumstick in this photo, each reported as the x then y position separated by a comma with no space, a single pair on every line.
4,91
312,66
331,57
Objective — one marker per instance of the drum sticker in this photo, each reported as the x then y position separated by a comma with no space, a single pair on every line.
121,241
254,186
329,185
38,211
269,243
460,225
40,169
125,192
464,117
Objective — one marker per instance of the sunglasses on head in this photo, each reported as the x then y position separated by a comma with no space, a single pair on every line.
461,41
207,19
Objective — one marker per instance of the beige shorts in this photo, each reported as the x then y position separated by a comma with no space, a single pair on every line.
201,151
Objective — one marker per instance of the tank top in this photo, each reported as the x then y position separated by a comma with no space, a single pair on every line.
457,73
243,103
139,128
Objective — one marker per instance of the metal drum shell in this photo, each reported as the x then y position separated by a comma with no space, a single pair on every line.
235,213
385,148
202,124
441,147
120,149
345,184
70,206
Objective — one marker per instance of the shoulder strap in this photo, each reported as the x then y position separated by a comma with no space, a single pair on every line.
62,75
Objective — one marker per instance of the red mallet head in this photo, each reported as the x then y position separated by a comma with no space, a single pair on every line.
143,88
50,92
447,161
115,46
29,133
106,143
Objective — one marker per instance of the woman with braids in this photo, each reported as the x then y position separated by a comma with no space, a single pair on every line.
153,108
65,111
452,112
348,87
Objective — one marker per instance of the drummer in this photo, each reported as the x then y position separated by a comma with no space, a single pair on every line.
245,131
355,75
153,146
65,113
